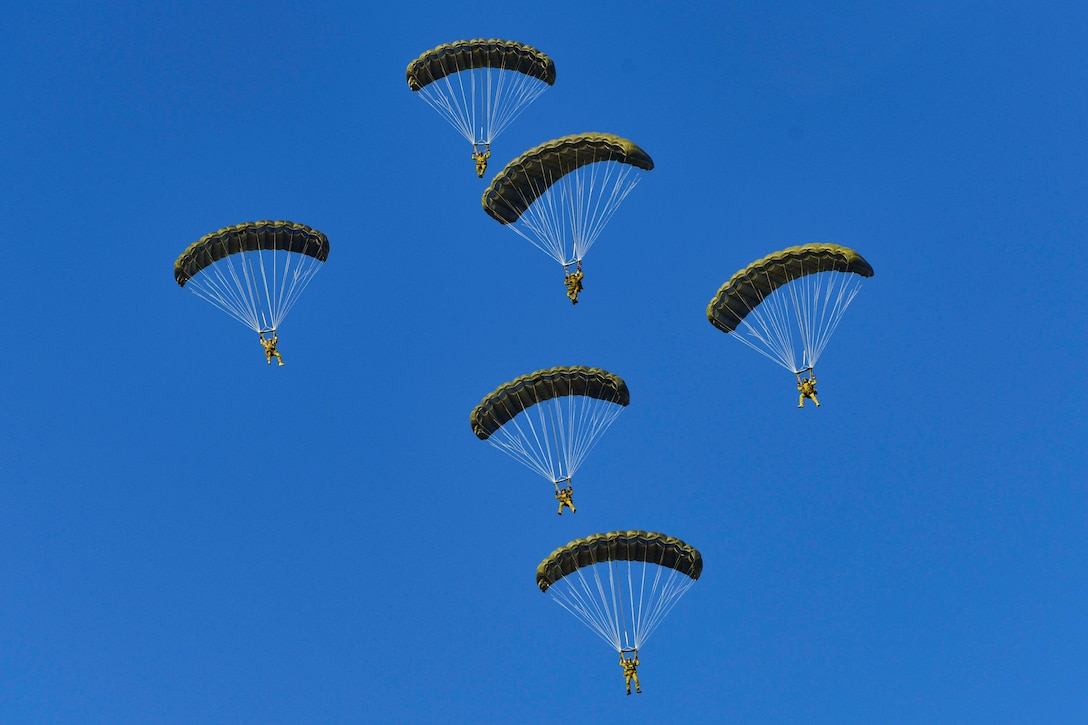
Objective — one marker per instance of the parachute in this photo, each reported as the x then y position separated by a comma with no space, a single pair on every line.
561,194
550,420
786,305
254,272
622,584
480,86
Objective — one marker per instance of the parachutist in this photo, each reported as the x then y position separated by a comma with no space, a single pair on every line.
565,496
253,271
807,386
270,347
574,284
630,671
481,157
452,77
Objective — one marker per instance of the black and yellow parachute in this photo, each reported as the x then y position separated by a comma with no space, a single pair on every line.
480,86
254,271
549,420
560,195
786,305
620,584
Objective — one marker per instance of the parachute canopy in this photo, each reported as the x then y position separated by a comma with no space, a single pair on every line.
787,305
561,194
480,86
621,584
446,60
254,271
528,177
514,397
550,420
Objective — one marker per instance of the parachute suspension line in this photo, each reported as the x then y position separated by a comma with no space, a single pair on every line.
268,315
241,294
294,283
490,105
826,310
455,105
565,219
586,419
585,606
445,104
667,587
280,293
548,413
624,622
662,597
766,329
247,288
819,301
574,431
617,603
541,218
615,181
481,88
257,294
481,102
637,604
525,446
637,611
792,326
801,294
513,93
595,417
212,284
553,436
593,603
533,447
290,274
572,190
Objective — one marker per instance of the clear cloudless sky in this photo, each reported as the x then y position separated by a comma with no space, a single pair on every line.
188,535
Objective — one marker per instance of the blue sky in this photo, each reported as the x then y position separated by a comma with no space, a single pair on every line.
188,535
